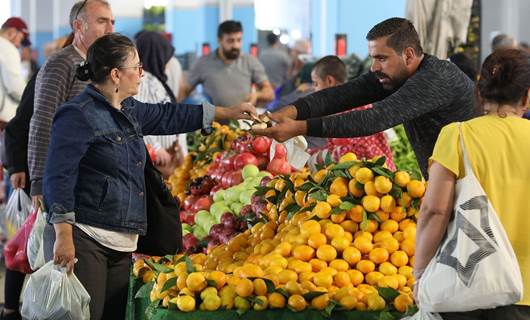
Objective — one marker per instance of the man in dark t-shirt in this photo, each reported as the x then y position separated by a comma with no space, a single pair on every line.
405,86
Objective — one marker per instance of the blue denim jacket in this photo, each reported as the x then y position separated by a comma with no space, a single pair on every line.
95,168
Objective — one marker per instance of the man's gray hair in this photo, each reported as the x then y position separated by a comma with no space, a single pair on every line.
502,41
79,10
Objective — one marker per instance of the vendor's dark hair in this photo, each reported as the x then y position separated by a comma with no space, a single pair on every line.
229,26
505,76
401,34
331,66
106,53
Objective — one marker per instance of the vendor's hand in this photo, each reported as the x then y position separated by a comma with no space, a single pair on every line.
63,249
242,111
252,98
18,180
36,200
284,129
162,157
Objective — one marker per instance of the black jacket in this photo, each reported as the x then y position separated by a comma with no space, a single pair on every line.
17,132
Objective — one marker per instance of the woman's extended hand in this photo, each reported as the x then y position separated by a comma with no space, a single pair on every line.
242,111
63,249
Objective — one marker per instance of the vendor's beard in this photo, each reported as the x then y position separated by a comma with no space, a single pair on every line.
232,54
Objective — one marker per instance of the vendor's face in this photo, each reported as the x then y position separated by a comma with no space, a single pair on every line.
230,44
388,65
131,73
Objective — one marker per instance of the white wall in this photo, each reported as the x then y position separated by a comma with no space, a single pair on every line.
504,16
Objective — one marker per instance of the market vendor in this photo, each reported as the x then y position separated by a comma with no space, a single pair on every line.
405,86
94,178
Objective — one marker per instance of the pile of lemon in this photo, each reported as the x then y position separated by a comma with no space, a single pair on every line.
335,237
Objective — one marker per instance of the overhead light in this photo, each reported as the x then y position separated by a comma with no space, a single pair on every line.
284,38
276,31
150,3
296,34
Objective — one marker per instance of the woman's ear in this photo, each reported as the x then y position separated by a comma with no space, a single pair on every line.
115,75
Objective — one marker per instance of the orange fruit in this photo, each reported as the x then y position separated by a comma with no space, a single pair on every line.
402,302
342,279
297,302
406,271
382,184
320,302
349,226
390,226
334,200
388,282
356,276
316,240
369,226
369,189
371,203
317,264
219,277
287,275
375,302
363,244
388,203
303,252
310,227
352,187
352,255
380,235
373,277
403,224
340,243
348,302
363,175
365,266
323,279
402,178
196,281
276,300
339,265
398,214
322,210
383,216
410,232
338,217
387,268
326,252
339,187
333,230
390,244
260,287
244,287
356,213
416,188
398,235
399,258
320,175
378,255
284,249
348,157
293,287
408,246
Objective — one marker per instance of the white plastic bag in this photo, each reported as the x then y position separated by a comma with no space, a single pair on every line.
422,315
35,248
475,266
17,210
53,294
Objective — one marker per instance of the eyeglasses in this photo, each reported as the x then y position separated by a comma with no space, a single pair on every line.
80,8
140,67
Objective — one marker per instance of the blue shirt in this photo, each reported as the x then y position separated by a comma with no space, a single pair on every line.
95,168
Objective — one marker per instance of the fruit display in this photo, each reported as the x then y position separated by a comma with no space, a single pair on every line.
201,154
217,217
341,238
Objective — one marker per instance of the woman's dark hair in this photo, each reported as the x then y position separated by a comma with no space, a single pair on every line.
154,51
505,77
106,53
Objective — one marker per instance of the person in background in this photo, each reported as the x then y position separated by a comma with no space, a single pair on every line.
228,75
275,60
503,41
29,64
464,63
94,179
330,72
13,35
56,81
155,53
405,86
498,148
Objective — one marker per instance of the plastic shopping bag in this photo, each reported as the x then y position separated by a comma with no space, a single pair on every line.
53,294
422,315
17,210
475,266
15,251
35,247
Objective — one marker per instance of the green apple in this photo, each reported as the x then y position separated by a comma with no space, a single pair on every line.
219,195
201,216
232,194
199,232
249,171
236,208
246,196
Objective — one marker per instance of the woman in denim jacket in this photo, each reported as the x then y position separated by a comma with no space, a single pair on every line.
94,178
